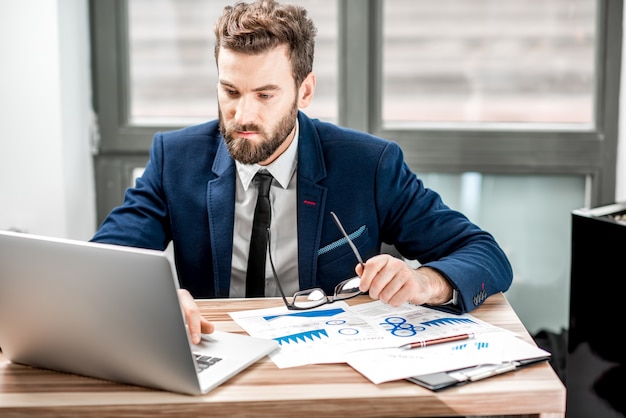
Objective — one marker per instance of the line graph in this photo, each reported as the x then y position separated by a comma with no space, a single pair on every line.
303,337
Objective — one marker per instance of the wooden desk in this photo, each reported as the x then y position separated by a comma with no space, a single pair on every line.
329,390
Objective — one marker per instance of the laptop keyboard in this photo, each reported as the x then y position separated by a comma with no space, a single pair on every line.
203,361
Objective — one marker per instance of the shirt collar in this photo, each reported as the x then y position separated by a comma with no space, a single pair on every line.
281,169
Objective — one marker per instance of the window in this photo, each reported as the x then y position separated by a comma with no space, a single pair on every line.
488,61
172,70
171,66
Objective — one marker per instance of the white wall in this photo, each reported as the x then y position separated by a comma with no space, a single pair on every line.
46,175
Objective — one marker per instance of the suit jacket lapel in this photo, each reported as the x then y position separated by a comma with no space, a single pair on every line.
221,213
311,200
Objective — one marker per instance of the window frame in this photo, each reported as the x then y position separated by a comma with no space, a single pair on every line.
447,148
458,148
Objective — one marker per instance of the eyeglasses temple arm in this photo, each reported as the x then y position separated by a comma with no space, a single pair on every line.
274,275
343,231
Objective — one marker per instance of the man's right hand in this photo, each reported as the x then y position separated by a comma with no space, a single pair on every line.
196,323
393,281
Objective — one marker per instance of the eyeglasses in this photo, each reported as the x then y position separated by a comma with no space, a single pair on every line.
312,298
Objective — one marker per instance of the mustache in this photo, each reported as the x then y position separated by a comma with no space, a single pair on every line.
248,127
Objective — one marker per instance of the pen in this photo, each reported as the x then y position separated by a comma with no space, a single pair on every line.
426,343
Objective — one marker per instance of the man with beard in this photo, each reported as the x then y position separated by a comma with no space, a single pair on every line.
199,190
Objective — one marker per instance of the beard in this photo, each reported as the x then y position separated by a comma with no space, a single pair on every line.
249,152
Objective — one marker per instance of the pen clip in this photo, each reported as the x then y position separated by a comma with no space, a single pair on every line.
502,368
483,371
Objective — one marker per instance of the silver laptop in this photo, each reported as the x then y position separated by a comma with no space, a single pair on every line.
108,312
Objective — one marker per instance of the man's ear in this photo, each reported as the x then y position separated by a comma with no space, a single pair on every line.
306,91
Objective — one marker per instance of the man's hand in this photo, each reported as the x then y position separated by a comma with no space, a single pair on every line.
393,281
196,323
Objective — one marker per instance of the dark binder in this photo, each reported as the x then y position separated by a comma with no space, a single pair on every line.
444,380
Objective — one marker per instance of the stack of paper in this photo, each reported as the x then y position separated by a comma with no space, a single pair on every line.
356,335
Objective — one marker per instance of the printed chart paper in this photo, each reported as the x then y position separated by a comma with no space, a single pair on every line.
337,332
484,349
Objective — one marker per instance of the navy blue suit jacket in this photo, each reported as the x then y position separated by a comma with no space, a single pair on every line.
187,193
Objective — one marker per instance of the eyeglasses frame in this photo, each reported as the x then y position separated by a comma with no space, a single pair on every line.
327,299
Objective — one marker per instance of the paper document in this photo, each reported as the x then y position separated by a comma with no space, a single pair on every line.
369,338
337,332
320,335
484,349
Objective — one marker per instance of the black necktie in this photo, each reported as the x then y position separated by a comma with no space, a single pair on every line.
255,277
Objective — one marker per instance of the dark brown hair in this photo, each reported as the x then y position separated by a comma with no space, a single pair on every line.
254,28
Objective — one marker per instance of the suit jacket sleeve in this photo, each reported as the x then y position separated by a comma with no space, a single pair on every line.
423,228
142,220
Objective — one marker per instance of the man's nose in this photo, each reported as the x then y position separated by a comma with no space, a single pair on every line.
246,111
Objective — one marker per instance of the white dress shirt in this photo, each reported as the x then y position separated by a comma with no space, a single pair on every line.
283,226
